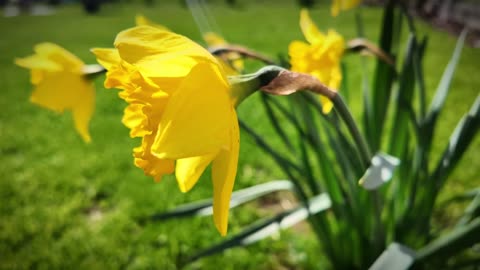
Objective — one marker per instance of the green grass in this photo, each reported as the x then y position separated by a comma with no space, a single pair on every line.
66,204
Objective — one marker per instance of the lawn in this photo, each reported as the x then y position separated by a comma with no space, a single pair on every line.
66,204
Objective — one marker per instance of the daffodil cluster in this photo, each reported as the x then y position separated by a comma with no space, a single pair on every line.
179,104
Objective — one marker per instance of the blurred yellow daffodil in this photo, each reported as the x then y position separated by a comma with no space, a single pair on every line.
339,5
180,104
60,84
319,57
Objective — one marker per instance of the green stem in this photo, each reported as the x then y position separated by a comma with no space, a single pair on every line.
242,86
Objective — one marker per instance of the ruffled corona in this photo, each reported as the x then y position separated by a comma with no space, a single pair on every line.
179,103
319,57
60,84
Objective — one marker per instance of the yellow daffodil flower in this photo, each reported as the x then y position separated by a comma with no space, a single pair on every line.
142,20
60,84
339,5
319,57
180,104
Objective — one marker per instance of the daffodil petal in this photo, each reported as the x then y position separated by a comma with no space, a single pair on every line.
36,62
159,53
196,119
136,120
37,76
107,57
335,9
338,5
151,165
83,108
189,170
309,29
224,169
51,93
212,39
59,55
327,105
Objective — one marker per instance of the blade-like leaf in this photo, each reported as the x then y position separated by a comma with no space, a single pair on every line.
279,129
204,207
384,76
452,243
399,137
469,195
442,91
291,169
395,257
266,228
461,138
444,85
472,211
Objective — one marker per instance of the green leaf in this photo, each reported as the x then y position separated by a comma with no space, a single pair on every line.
291,169
395,257
204,207
451,244
274,120
400,130
442,90
461,138
445,82
469,195
472,211
265,228
384,76
283,162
